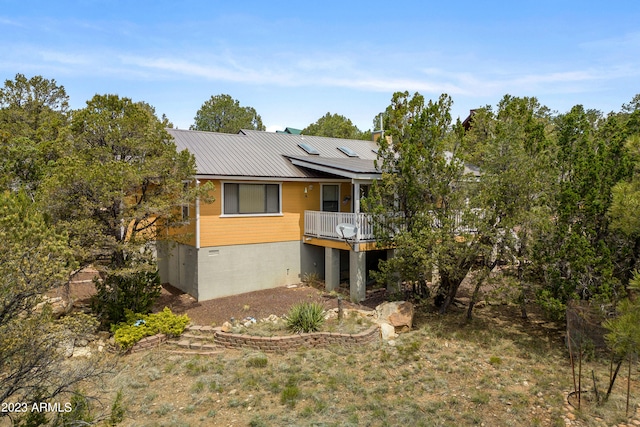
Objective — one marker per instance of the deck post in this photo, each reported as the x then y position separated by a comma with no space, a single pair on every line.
357,276
331,268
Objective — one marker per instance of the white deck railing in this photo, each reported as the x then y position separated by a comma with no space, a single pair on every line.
323,225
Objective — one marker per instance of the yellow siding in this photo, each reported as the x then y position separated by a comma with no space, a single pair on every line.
345,191
237,230
336,244
326,243
187,233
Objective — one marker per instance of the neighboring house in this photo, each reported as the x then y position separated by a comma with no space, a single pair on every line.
278,200
291,131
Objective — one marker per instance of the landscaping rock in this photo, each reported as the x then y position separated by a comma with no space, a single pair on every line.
399,314
103,335
332,313
58,305
387,331
67,347
272,318
81,352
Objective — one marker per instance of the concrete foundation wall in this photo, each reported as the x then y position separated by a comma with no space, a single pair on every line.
235,269
177,265
312,260
214,272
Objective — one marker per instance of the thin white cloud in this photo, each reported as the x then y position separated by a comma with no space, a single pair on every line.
381,84
330,71
350,74
11,22
626,42
63,58
301,74
224,70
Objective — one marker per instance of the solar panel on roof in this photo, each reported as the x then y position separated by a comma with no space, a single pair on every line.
308,148
348,151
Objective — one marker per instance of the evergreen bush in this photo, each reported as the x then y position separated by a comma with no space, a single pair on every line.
138,326
305,317
136,291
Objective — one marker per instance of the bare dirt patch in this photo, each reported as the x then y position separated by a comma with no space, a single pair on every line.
258,304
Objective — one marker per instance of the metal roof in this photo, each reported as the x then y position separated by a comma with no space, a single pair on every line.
352,165
252,153
290,130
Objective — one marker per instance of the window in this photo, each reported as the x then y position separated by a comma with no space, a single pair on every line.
330,198
246,199
185,207
308,148
348,151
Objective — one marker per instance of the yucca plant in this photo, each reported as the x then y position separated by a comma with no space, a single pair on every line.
305,317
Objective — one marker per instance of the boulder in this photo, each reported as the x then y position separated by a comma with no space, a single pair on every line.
59,307
399,314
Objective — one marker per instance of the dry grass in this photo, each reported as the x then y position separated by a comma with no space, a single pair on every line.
494,371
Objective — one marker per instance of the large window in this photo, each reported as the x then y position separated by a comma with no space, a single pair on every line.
247,199
330,197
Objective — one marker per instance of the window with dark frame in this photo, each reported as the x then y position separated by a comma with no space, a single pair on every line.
330,198
247,199
185,207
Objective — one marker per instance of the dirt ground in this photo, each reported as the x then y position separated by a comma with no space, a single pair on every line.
258,304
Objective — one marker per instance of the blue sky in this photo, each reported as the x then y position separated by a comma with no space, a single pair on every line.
295,61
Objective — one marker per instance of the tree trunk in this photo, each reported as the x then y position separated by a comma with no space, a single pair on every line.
474,298
613,379
450,289
523,293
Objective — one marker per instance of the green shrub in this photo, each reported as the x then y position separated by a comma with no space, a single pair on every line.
118,410
79,324
553,307
257,362
137,326
290,394
305,317
495,360
80,413
136,291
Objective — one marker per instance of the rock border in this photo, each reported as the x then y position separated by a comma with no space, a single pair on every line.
269,344
148,342
292,342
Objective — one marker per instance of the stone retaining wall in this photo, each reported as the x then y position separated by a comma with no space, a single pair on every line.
270,344
148,342
291,342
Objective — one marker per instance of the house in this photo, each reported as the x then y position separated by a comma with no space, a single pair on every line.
292,131
279,201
